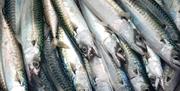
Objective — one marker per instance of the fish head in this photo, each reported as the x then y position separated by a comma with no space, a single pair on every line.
171,56
86,45
32,60
139,84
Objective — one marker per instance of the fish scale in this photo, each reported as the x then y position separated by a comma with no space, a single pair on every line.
164,18
135,69
153,32
56,69
9,10
13,65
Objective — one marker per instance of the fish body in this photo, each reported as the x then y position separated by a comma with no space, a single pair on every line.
12,9
154,68
55,68
153,33
135,70
2,79
74,62
118,76
170,27
170,78
51,18
172,7
100,75
113,21
12,61
73,22
102,35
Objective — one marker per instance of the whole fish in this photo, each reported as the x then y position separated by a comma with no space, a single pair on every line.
51,18
102,35
118,76
153,33
154,68
31,52
73,59
12,61
113,21
170,27
73,22
55,67
136,72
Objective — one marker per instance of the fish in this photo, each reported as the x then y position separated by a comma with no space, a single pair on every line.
12,9
2,79
170,27
102,35
31,52
170,78
51,19
10,13
101,78
153,33
12,60
74,61
154,68
112,20
73,22
55,67
118,75
160,2
173,8
41,81
135,69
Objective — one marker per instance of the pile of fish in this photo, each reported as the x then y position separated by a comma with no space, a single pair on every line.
89,45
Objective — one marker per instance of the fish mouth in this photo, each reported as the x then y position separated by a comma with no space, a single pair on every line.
89,51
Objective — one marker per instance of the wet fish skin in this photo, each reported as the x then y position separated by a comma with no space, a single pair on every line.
170,78
83,35
170,27
113,21
37,24
12,61
73,59
10,10
173,8
153,33
118,76
31,52
154,68
135,70
102,35
55,68
2,79
51,19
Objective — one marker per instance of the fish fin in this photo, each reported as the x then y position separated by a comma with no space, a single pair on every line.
157,81
54,42
73,68
62,45
125,15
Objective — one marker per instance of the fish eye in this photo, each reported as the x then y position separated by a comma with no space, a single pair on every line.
36,64
84,49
